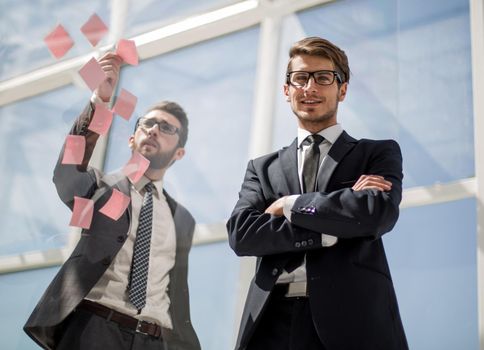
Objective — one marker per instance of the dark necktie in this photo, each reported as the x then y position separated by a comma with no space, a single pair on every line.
311,162
309,174
141,251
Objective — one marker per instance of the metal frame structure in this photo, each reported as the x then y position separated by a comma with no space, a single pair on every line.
477,48
235,17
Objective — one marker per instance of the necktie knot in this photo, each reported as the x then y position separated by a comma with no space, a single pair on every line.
149,187
314,139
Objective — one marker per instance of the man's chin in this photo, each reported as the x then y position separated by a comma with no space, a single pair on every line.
310,116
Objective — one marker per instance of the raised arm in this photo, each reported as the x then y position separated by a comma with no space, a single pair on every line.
81,180
253,232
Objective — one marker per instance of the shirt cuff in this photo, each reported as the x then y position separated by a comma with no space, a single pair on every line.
96,100
327,240
288,204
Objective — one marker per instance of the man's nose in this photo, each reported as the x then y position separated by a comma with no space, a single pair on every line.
311,84
154,130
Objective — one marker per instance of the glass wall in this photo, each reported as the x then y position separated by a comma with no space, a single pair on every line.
25,23
432,256
214,82
31,135
146,15
19,293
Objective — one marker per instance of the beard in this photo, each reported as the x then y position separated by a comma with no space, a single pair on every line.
161,161
158,160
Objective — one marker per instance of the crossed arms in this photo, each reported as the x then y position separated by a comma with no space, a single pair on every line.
258,227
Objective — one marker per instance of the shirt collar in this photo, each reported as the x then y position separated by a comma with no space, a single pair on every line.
330,134
144,180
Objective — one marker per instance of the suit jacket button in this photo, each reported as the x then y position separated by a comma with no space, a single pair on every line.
310,241
120,239
297,245
106,260
274,272
304,243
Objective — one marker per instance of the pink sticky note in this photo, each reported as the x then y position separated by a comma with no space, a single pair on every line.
127,50
94,29
136,167
92,74
125,104
116,205
101,120
74,149
58,41
82,212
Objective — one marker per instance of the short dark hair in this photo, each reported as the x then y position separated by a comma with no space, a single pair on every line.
316,46
175,110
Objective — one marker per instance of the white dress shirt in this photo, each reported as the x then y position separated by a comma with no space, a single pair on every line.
111,289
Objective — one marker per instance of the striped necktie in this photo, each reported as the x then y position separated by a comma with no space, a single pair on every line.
141,251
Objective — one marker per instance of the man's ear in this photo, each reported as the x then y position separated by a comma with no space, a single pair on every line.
342,92
286,92
131,142
179,153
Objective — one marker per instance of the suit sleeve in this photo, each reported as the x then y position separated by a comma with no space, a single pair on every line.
78,180
255,233
352,214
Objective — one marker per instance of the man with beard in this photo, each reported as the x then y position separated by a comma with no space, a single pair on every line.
125,284
313,214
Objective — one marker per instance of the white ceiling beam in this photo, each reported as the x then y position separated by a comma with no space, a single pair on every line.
174,36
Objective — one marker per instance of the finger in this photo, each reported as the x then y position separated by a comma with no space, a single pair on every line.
379,183
378,188
382,186
110,55
110,62
109,66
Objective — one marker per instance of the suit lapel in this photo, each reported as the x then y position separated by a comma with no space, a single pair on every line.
343,145
288,161
171,203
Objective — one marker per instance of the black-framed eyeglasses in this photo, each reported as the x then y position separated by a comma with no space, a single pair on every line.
322,77
163,126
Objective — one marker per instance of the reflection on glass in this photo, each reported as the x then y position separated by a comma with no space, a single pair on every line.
24,24
432,254
31,136
213,81
407,84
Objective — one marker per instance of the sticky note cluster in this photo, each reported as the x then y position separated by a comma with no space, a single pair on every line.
59,42
83,210
118,202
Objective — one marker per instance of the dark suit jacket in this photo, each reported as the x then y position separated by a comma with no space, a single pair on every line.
99,245
351,293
